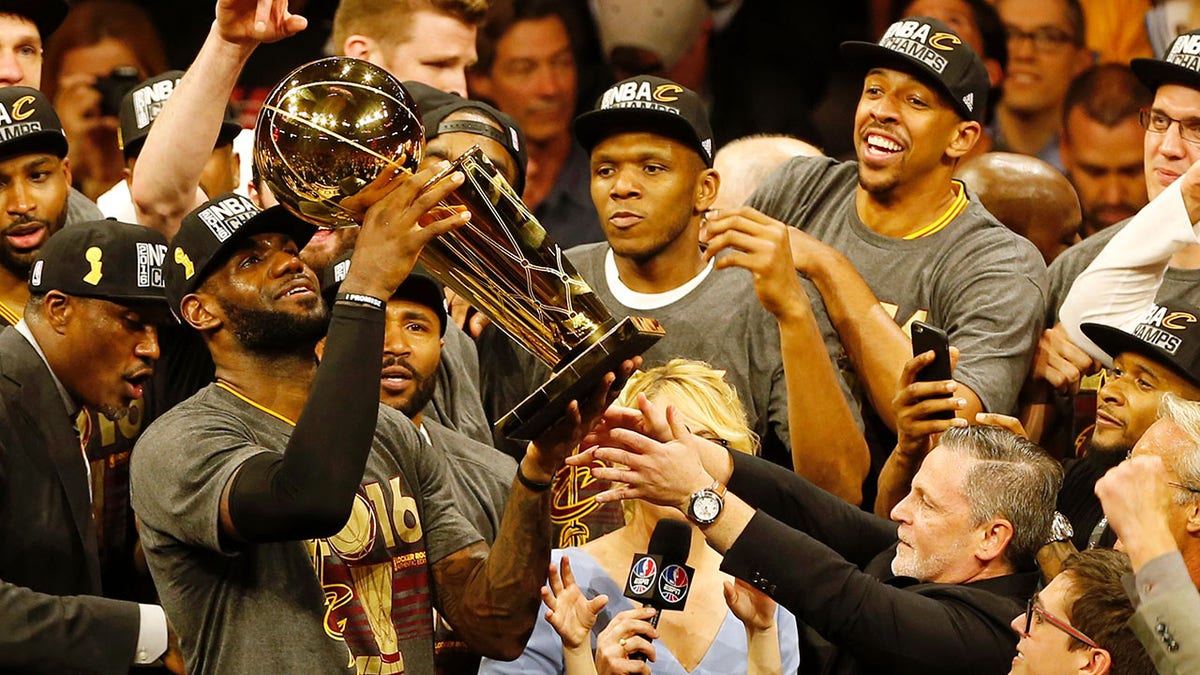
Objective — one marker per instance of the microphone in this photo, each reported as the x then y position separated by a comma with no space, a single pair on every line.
660,577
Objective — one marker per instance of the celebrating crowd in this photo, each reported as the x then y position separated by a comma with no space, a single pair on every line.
926,404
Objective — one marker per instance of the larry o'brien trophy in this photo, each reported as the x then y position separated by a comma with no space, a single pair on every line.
333,126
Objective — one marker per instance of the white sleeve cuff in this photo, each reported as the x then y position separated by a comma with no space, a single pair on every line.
152,635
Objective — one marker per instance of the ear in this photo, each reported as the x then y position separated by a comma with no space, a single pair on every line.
66,167
707,185
966,135
994,538
1192,518
360,47
57,310
1099,662
235,168
196,312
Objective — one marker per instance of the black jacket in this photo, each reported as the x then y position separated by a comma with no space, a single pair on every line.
50,617
830,564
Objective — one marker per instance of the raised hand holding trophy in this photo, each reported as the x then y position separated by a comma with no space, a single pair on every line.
331,127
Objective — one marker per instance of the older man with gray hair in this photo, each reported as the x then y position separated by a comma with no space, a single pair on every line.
1152,500
932,590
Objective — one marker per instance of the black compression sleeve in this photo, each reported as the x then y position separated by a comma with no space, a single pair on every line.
307,492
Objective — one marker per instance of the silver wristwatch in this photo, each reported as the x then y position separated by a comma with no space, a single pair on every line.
706,504
1060,529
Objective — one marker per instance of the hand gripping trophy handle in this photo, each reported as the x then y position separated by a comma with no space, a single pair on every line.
504,264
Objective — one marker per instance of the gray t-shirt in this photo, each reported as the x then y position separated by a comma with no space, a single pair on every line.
261,607
1178,286
80,209
482,477
975,279
457,403
721,323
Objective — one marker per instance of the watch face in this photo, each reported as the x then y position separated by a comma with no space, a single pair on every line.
706,506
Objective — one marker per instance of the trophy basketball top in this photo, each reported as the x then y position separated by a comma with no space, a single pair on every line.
329,129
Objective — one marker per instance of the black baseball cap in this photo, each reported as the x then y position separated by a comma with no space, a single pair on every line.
928,49
28,124
47,15
209,232
142,104
1169,335
420,286
648,103
1179,65
436,105
103,259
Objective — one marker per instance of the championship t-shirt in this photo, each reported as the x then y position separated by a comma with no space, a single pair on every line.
360,601
974,278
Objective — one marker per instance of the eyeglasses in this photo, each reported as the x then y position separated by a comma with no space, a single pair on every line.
1157,122
1033,608
1181,486
1046,38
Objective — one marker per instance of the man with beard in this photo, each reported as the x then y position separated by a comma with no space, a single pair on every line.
414,336
1161,354
281,465
34,181
88,339
25,25
893,239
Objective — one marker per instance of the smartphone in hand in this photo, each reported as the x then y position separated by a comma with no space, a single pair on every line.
931,338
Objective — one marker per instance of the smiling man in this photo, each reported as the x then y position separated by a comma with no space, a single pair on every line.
1045,52
892,238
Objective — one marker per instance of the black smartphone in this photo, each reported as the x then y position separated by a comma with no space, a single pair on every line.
931,338
927,338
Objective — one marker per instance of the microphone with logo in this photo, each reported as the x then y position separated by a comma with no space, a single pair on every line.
660,578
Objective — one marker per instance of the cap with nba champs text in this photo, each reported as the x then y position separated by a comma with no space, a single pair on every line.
648,103
928,49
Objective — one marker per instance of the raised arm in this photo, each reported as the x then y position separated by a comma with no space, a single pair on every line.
307,492
833,454
166,178
1120,285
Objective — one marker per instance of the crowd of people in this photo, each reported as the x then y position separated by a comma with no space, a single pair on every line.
233,440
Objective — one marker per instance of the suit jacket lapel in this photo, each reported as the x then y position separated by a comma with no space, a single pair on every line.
43,408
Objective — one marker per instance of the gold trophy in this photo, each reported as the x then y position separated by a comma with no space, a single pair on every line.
333,126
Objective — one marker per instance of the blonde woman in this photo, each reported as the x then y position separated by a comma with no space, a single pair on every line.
707,637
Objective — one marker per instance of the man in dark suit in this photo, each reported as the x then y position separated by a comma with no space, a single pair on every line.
88,338
931,591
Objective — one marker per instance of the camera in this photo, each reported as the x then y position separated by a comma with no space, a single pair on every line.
114,86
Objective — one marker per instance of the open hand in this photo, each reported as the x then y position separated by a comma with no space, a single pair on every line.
571,614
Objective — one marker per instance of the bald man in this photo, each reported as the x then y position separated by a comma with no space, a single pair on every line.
1029,196
744,163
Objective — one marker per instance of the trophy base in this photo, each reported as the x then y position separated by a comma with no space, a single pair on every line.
541,409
